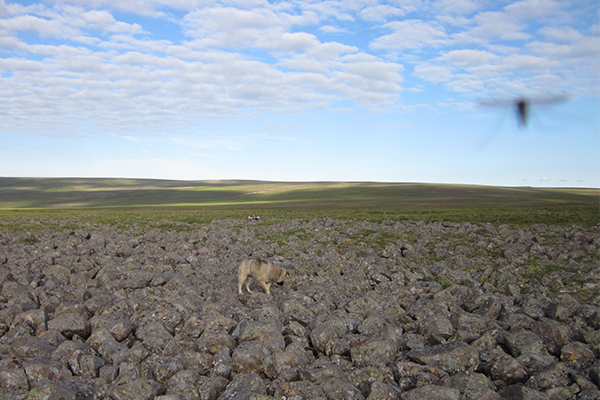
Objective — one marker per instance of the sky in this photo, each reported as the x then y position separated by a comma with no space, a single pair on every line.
302,90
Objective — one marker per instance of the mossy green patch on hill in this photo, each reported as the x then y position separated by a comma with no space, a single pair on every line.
130,199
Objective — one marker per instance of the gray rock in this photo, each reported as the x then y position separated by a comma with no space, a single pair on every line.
554,375
451,357
211,342
210,388
577,355
436,326
376,351
154,336
432,392
248,357
338,388
139,389
269,333
71,324
298,390
519,392
136,354
12,376
554,334
474,386
320,371
32,347
184,385
563,393
39,372
199,362
327,336
383,391
51,391
524,342
244,387
506,369
222,364
85,365
589,395
103,342
118,325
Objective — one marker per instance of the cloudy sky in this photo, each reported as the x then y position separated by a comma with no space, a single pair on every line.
302,90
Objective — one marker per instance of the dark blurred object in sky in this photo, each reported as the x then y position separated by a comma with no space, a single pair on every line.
522,105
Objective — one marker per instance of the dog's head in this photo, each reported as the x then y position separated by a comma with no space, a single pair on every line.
282,275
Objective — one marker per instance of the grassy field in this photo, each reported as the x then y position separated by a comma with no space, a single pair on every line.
123,201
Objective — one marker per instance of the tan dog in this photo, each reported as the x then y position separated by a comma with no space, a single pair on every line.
262,271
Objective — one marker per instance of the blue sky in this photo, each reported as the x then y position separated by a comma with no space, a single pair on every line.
302,90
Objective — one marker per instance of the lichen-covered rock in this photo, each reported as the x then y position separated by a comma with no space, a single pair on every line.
248,357
245,386
506,369
379,350
432,392
451,357
70,324
554,375
40,371
267,332
139,389
519,392
474,386
382,391
117,324
154,336
102,341
327,335
577,355
12,376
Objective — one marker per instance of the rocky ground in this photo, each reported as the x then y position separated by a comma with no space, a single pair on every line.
392,310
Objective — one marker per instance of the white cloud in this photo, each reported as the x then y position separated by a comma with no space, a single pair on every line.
526,63
41,26
409,34
433,73
532,9
381,13
68,23
469,58
238,28
563,33
495,26
3,9
243,57
459,7
331,29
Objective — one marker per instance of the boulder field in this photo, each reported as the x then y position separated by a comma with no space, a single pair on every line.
391,310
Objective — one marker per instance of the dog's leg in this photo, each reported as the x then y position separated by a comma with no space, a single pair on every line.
267,287
242,275
248,282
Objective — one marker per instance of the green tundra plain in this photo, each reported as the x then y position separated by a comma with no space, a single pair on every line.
126,201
